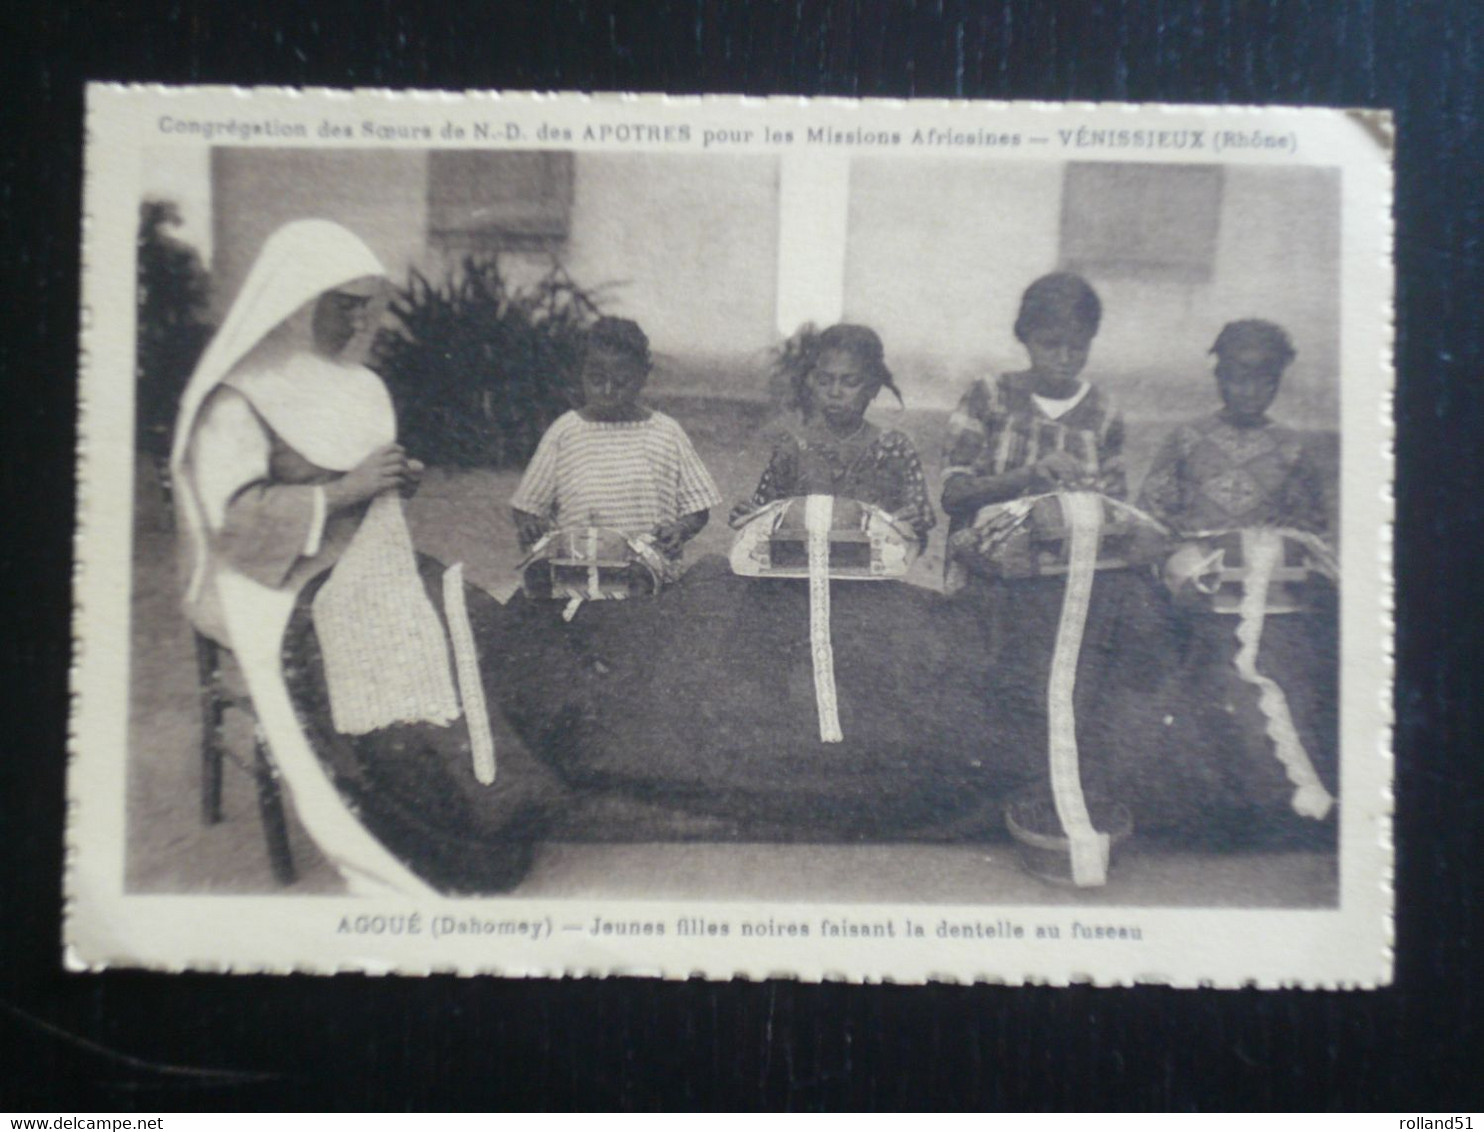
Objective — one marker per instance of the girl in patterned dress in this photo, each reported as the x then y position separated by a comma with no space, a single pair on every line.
1221,753
1043,428
1237,467
615,462
1046,429
835,374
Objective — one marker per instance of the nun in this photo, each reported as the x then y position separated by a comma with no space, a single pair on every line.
290,485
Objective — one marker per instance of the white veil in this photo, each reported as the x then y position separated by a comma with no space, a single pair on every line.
298,263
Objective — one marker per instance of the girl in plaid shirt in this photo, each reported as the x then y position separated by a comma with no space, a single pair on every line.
1044,428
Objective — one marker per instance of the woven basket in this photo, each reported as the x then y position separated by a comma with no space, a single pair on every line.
1044,849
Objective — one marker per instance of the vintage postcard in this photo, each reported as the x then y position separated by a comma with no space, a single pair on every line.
536,535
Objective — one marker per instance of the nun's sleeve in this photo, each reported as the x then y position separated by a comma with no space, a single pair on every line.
262,528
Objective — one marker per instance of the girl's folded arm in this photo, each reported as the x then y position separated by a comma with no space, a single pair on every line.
964,492
528,527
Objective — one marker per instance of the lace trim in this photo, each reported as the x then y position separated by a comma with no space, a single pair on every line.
466,667
385,653
1083,513
818,514
1263,550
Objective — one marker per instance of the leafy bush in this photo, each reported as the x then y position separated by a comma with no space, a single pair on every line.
172,290
478,368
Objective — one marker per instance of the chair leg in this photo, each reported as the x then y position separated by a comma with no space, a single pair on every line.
270,807
213,712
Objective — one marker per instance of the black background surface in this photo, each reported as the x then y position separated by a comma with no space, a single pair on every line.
126,1041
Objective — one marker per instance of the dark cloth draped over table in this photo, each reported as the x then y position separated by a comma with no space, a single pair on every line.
413,785
1129,637
703,700
1195,758
693,715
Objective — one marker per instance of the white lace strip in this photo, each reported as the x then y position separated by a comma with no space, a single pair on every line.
819,512
466,665
1263,549
1083,514
385,653
594,576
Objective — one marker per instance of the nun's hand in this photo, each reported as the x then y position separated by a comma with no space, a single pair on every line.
412,478
386,469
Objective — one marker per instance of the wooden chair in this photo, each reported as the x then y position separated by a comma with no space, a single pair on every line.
216,700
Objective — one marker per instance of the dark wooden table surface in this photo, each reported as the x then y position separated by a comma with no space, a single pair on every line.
157,1043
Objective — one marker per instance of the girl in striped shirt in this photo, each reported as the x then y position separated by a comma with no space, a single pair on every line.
614,462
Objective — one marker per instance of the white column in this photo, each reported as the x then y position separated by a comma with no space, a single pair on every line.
814,215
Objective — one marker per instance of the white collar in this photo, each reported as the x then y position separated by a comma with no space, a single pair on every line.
1056,408
274,308
331,413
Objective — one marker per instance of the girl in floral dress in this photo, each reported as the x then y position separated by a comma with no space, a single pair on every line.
835,374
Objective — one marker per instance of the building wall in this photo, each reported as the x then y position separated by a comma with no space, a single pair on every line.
380,195
686,245
939,255
692,243
936,256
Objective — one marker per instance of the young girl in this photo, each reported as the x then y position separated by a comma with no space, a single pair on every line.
1237,467
1043,428
614,462
1055,630
835,375
1241,739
